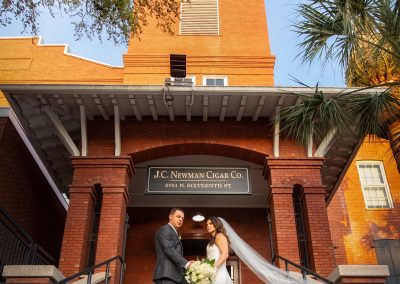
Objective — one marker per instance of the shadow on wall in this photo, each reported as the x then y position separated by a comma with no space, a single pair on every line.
385,225
339,223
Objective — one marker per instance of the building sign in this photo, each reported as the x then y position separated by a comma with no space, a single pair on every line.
197,180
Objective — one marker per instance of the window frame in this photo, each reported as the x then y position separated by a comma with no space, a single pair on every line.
224,77
385,183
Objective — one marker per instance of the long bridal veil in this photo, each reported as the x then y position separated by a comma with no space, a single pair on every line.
259,265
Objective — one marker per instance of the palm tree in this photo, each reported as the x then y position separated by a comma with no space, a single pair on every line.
364,37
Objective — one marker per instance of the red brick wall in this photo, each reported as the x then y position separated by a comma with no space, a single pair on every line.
319,240
283,175
26,195
284,225
339,224
75,244
251,225
148,140
112,175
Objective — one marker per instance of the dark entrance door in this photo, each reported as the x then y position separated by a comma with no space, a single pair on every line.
388,252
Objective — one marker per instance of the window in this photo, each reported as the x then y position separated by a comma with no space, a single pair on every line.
374,185
199,17
215,81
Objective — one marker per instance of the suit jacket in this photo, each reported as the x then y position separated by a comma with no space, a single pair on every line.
170,261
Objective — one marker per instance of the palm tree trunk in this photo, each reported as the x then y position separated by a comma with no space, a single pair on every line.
393,134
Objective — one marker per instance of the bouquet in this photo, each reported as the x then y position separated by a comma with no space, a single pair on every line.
201,272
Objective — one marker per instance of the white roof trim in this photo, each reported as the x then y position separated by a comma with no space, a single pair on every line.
7,112
67,50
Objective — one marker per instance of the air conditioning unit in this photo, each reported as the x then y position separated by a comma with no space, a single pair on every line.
183,82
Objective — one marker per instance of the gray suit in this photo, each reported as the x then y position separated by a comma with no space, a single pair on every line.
170,261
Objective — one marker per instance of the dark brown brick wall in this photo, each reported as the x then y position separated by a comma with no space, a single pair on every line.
26,195
250,224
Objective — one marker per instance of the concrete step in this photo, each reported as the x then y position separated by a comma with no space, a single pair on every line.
97,278
299,276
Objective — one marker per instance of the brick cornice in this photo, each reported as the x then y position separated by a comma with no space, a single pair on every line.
83,189
293,163
287,172
314,190
279,189
116,189
104,162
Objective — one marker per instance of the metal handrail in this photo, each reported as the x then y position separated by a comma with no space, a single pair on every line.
89,271
19,247
304,270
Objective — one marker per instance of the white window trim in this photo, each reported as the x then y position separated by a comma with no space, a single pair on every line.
215,77
386,184
193,77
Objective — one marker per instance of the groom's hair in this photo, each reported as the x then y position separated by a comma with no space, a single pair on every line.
173,210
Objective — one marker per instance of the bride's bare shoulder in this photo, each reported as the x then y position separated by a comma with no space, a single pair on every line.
220,236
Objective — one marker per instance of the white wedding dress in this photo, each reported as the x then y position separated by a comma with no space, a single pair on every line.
222,276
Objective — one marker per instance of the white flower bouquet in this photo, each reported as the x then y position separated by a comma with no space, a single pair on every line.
201,272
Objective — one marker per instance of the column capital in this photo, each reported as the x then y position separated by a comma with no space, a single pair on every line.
279,189
104,162
291,171
106,171
311,189
292,163
116,189
83,189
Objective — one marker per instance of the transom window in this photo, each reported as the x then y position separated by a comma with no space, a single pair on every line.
374,184
215,81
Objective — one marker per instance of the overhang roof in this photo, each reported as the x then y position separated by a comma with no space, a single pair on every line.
39,106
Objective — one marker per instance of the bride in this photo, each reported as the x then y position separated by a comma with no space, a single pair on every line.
218,249
224,236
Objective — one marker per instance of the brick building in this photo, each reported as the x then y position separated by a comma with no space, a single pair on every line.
98,134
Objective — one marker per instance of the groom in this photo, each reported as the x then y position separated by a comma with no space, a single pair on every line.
170,261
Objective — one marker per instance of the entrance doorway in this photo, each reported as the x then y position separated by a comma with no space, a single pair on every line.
250,223
194,248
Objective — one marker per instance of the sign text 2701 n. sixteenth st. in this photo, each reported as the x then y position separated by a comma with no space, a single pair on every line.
198,180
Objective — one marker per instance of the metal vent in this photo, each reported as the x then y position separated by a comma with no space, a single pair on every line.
199,17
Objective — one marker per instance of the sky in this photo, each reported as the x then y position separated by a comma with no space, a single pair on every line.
283,41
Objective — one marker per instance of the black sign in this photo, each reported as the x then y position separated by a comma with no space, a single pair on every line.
197,180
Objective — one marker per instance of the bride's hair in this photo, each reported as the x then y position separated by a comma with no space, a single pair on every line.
219,228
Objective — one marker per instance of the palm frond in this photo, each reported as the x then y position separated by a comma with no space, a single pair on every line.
313,117
329,29
371,111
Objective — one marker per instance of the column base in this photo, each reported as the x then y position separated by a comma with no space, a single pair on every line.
360,274
43,274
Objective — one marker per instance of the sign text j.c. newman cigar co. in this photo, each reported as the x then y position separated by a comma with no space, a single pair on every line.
197,180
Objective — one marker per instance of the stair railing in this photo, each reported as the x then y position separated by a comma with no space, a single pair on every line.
304,271
90,271
17,247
